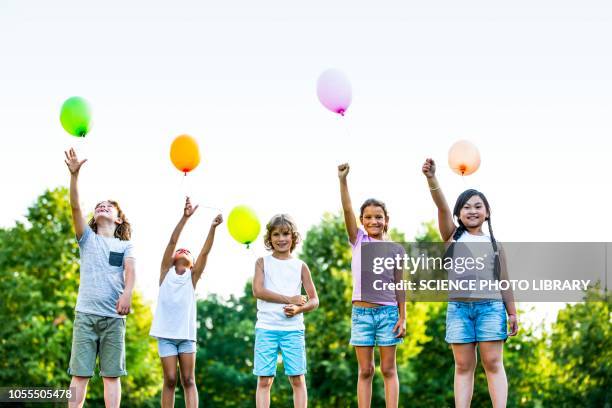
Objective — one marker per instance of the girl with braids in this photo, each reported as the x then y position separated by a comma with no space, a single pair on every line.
481,319
375,322
105,293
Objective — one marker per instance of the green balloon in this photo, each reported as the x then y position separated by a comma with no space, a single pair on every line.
75,116
243,224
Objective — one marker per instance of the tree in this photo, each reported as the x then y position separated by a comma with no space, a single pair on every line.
581,352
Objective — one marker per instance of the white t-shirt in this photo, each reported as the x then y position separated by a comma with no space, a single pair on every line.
484,251
283,276
175,315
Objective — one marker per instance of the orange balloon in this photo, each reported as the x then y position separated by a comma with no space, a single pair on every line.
184,153
463,158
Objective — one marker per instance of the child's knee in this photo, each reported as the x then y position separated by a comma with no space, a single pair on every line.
265,382
297,380
170,380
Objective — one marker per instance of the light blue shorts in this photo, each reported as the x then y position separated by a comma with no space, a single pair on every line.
174,347
373,326
292,346
471,322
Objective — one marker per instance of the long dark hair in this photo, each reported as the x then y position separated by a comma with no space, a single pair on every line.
461,200
375,203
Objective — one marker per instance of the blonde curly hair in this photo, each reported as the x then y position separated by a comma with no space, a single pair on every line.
285,222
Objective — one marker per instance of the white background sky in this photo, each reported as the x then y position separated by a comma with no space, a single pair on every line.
529,82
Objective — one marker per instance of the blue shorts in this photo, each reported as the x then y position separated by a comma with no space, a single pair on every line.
471,322
373,326
292,346
174,347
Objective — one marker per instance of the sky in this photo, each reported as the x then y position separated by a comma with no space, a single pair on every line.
528,82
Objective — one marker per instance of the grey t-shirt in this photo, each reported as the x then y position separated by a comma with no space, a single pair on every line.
102,261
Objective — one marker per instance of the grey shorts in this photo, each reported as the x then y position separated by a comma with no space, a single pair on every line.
94,336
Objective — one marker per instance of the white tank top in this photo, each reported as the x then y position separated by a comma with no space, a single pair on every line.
175,315
283,276
486,252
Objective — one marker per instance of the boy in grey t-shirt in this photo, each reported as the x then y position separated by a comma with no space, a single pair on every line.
105,293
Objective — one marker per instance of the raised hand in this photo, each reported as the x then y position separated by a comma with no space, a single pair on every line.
72,161
343,170
217,220
429,168
189,209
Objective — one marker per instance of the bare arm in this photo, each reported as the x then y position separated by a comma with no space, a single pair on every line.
508,295
198,267
74,166
311,291
445,216
347,207
168,257
260,292
125,300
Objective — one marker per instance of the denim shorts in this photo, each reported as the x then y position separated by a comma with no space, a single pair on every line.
174,347
373,326
290,343
471,322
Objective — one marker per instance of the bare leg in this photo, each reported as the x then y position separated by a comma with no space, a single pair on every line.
300,393
389,372
187,366
365,359
491,353
80,390
169,369
112,391
465,364
262,396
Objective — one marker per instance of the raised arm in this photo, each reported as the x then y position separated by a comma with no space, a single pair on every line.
313,299
74,166
198,267
167,259
260,292
347,207
445,216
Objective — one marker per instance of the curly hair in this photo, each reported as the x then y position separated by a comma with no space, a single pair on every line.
123,231
283,221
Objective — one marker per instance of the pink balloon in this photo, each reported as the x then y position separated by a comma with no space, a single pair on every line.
334,91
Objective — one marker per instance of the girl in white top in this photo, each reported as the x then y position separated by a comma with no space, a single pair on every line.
174,324
277,285
464,329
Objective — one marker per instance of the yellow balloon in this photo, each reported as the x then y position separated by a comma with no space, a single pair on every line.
184,153
463,158
243,224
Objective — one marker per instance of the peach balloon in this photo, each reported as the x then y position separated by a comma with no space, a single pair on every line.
184,153
463,158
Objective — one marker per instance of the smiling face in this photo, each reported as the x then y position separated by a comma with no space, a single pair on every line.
105,210
474,212
374,220
281,239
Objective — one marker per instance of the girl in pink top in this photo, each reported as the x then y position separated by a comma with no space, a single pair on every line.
380,323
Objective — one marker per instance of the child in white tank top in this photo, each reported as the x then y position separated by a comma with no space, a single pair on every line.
277,285
174,323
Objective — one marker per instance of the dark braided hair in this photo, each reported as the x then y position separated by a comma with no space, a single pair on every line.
461,200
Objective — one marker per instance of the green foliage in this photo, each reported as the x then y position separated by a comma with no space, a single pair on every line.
581,352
